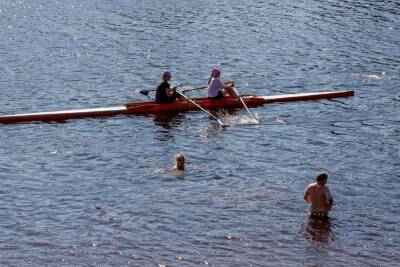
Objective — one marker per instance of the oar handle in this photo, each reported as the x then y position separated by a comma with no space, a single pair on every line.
193,89
146,92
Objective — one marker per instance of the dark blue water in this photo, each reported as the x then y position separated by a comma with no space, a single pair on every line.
86,192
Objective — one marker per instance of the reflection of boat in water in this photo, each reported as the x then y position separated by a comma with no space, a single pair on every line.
166,120
150,107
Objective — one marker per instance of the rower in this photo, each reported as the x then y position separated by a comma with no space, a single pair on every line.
164,93
217,89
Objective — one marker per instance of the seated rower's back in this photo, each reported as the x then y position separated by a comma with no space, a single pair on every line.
164,93
217,89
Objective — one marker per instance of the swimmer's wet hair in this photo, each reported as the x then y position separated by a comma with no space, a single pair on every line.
179,156
321,176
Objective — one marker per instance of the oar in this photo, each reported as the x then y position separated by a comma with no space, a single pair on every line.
200,107
244,104
146,92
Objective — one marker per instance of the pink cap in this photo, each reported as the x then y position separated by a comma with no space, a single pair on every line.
215,72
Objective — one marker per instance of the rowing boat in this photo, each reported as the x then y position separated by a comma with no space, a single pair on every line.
180,105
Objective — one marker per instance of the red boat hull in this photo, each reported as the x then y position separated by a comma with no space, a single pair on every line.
178,106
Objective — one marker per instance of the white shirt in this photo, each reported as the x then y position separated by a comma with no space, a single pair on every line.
214,86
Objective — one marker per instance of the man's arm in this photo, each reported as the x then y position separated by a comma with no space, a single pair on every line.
307,195
329,198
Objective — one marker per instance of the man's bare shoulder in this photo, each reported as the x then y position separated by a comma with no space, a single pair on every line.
311,185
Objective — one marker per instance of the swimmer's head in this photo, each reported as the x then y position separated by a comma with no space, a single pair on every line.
180,161
322,177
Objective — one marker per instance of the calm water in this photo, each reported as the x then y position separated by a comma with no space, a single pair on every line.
85,192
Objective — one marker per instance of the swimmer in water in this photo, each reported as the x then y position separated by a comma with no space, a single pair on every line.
179,169
179,162
319,197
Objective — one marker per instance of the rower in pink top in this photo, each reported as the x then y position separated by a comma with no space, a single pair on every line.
217,89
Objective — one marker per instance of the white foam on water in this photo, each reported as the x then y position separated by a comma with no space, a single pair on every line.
279,121
371,77
232,120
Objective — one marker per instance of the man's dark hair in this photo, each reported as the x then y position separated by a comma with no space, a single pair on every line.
322,176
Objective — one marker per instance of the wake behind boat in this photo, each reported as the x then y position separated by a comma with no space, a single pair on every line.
181,105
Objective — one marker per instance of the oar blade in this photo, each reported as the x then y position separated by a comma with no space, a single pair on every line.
223,124
144,92
256,119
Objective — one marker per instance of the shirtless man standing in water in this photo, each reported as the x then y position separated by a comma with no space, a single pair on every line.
319,196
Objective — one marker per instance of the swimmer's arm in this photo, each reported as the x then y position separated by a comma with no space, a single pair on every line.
329,198
307,196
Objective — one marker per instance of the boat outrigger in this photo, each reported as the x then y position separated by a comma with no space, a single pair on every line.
180,105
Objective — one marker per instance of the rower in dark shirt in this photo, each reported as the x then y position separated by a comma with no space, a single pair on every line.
164,93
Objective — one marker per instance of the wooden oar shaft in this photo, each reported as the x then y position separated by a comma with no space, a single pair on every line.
244,104
200,107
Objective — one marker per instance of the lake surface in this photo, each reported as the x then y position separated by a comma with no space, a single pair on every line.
89,192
